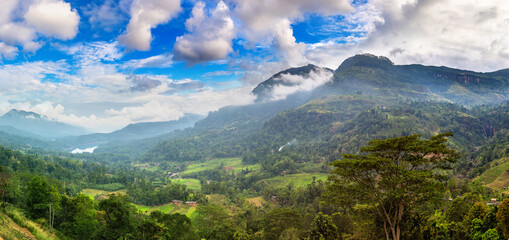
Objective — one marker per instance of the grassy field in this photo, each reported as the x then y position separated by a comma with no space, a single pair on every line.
257,201
299,179
146,166
229,164
166,208
169,208
493,173
191,183
218,199
96,192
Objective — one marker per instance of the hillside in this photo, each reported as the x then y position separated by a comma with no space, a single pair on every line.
13,225
36,124
372,75
130,132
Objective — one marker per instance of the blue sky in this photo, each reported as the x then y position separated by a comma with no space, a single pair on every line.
103,64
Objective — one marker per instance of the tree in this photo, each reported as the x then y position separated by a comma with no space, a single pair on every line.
213,222
491,234
118,216
393,175
277,220
503,217
323,228
40,196
476,229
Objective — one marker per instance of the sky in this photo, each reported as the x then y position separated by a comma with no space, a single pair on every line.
102,64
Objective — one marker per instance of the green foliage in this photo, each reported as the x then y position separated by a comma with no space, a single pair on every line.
213,222
503,217
323,228
40,196
278,220
118,217
394,175
491,234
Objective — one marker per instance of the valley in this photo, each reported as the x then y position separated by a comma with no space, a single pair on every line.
263,170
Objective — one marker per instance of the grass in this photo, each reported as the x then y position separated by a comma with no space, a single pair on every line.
97,192
191,183
10,230
146,166
257,201
166,208
188,210
299,179
230,164
23,224
218,199
490,175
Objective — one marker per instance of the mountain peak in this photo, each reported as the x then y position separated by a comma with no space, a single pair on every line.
15,113
264,90
366,60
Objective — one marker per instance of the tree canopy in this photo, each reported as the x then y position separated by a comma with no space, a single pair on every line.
393,175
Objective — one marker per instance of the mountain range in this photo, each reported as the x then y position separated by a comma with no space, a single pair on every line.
366,97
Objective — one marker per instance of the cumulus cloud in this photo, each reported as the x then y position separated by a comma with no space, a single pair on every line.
53,18
210,36
463,34
23,23
145,15
290,84
270,20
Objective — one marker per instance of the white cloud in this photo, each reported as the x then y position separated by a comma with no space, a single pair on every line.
465,34
210,37
290,84
145,15
157,61
269,21
107,15
7,51
92,52
53,18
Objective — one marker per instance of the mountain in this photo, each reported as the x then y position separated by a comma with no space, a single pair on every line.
133,131
265,90
36,124
372,75
340,110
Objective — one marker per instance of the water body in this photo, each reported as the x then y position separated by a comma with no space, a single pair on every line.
86,150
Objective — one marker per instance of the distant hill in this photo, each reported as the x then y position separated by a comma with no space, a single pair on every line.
133,131
36,124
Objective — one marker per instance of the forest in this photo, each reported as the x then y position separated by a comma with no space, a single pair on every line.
401,181
381,151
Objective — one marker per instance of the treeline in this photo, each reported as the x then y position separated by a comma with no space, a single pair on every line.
145,193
